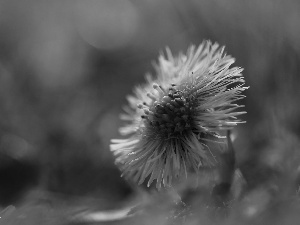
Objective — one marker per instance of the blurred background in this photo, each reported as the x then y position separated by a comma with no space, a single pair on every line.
66,67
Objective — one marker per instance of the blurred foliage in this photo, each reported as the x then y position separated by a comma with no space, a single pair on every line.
66,67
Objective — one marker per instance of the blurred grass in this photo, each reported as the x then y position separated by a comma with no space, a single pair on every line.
65,68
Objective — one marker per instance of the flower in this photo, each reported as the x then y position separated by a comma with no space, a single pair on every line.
172,118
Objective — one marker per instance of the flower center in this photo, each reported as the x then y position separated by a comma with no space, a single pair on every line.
171,115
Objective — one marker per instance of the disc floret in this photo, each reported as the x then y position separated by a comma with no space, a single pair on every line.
170,114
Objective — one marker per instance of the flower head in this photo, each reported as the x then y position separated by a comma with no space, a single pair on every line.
173,116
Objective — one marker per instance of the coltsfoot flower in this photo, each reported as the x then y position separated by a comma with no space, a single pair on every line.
172,117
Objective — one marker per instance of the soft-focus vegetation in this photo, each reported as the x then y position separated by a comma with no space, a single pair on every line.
65,69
